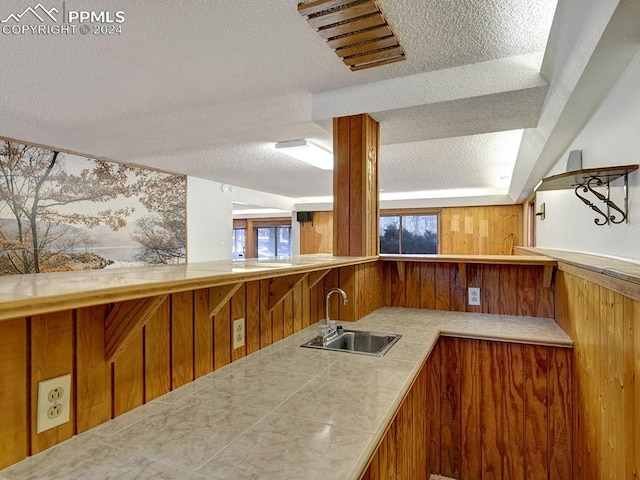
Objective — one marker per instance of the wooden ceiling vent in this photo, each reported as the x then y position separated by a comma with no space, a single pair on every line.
356,30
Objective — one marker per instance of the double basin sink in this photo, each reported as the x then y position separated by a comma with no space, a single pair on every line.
355,341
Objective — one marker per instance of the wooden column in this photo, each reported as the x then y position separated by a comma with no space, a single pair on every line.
355,186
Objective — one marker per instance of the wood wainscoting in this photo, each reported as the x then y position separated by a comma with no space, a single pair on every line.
605,327
504,289
491,230
179,343
483,410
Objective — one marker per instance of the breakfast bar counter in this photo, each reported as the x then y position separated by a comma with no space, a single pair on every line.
281,412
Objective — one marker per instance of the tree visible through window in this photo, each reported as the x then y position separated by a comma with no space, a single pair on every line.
406,234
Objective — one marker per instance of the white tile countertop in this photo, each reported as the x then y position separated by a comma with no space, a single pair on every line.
283,412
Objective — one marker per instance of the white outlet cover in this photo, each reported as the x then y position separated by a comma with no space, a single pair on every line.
474,296
43,421
238,333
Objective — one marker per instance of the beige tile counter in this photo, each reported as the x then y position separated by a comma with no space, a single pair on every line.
283,412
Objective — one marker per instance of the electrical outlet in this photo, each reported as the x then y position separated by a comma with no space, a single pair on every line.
238,333
474,296
54,397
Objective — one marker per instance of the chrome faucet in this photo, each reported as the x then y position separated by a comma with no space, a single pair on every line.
329,327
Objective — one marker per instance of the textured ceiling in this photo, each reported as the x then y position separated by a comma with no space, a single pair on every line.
204,88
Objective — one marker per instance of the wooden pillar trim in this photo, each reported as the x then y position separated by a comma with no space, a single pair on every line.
280,287
125,321
355,186
220,295
317,276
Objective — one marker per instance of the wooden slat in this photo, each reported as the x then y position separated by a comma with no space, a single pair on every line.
490,290
450,459
492,425
536,361
51,356
514,429
280,287
14,423
181,339
343,15
433,408
222,337
399,58
306,303
125,321
560,414
342,157
412,296
277,323
253,316
266,335
157,353
318,6
630,399
471,397
443,289
346,28
93,373
508,290
398,285
203,334
457,294
128,377
526,291
427,286
365,36
367,47
299,294
220,295
287,313
382,55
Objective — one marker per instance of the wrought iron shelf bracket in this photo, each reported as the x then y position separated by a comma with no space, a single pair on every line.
587,185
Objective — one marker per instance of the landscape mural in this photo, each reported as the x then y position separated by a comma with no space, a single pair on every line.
62,212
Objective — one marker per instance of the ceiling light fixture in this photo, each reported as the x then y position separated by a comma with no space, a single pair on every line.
307,152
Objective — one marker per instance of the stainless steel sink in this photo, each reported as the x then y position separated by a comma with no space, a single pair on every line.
355,341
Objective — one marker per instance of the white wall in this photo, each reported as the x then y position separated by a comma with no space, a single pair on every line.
610,138
210,217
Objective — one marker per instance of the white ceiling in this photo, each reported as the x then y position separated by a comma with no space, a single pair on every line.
205,88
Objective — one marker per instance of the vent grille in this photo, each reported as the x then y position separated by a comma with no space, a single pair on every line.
356,30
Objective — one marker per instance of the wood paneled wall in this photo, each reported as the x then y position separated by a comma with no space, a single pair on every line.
317,236
504,289
180,343
605,328
504,411
404,452
491,230
483,410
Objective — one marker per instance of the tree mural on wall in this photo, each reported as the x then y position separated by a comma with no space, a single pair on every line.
48,211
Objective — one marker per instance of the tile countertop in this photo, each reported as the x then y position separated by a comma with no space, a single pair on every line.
283,412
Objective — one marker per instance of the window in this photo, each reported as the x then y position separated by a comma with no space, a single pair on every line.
407,233
239,236
274,242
